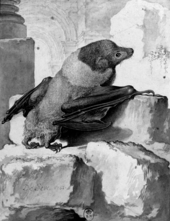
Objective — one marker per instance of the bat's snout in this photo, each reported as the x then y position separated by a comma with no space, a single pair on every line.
131,51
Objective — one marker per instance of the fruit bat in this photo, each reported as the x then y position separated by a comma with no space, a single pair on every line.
77,98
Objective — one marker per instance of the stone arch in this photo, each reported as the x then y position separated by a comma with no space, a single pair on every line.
54,45
51,61
29,9
49,25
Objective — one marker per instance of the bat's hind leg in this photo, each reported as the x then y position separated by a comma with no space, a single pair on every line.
30,145
51,144
56,147
26,140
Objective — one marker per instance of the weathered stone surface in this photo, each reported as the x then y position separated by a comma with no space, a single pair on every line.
134,182
16,74
118,181
147,117
43,178
146,30
144,120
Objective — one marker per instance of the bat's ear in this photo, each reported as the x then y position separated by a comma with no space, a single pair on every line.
102,63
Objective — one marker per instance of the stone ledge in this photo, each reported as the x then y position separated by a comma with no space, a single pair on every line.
116,180
143,120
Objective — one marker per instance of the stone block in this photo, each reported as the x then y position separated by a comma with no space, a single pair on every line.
43,178
134,183
116,181
147,118
144,120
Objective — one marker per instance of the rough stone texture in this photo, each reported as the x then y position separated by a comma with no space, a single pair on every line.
42,178
98,14
16,74
117,181
147,117
146,30
134,182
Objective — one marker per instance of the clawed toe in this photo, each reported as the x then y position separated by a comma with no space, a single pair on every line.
55,147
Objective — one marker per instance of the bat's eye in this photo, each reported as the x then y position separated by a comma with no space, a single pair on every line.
118,55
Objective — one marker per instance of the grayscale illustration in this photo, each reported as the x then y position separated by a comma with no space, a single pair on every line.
85,119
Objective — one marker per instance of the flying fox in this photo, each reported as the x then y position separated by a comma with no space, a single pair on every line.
78,97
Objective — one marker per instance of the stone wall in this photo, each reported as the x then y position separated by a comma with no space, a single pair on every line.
60,27
147,31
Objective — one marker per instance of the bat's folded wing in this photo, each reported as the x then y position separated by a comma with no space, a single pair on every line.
28,101
103,97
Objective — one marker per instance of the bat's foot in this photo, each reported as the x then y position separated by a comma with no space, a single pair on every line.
56,147
33,145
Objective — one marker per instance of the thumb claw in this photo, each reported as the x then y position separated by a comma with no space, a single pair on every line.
3,121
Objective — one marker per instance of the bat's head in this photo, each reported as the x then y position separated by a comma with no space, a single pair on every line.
104,53
94,64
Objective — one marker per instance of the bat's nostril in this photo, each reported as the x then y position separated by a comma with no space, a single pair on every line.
131,50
